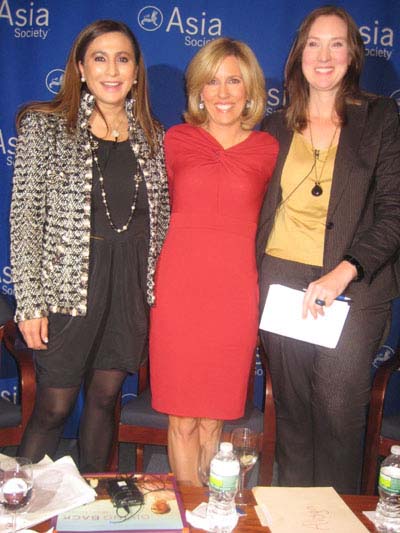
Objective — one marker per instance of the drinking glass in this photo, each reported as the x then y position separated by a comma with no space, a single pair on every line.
245,445
16,485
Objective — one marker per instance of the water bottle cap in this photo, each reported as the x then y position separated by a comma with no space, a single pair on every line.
226,447
395,449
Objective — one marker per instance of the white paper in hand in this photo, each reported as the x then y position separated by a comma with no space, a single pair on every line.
282,314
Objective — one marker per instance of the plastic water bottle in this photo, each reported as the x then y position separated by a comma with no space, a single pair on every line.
224,475
387,515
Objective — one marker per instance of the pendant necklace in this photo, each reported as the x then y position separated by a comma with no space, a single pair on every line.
115,131
317,189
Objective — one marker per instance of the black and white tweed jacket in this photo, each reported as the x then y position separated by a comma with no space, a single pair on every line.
50,211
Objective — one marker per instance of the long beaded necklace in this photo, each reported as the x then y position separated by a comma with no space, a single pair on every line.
137,178
317,189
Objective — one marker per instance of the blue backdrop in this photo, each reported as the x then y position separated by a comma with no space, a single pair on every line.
36,35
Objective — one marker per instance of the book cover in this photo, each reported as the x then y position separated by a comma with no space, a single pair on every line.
162,510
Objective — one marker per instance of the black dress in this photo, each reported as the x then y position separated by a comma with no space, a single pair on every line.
114,332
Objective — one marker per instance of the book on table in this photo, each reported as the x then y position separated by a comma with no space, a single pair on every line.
161,510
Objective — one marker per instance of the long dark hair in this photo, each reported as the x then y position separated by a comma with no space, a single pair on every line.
296,85
67,101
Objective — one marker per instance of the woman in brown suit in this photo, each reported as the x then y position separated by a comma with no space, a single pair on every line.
330,224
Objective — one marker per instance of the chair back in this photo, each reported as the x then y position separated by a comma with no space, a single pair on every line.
382,432
6,313
13,418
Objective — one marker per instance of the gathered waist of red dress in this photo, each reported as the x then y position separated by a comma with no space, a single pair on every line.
207,221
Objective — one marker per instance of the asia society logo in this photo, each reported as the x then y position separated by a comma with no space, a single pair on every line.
275,99
396,96
29,22
378,40
384,354
196,28
54,80
7,148
6,281
150,18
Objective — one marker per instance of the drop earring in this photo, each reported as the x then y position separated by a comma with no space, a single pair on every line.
248,104
201,105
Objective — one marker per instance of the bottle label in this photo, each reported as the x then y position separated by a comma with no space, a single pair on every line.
223,483
389,483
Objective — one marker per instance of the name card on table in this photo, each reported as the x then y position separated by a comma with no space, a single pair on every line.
305,509
283,315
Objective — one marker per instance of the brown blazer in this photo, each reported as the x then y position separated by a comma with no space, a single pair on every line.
364,208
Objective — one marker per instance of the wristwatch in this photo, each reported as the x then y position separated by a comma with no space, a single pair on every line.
360,271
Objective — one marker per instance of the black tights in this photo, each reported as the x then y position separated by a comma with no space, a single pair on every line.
52,407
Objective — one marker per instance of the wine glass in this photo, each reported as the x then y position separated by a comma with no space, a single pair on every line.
16,485
245,445
206,453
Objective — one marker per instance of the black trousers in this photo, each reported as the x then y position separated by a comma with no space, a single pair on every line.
321,394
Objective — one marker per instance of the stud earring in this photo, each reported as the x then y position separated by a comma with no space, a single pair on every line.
134,82
248,104
83,79
201,105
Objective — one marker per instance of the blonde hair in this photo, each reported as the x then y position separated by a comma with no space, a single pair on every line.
202,69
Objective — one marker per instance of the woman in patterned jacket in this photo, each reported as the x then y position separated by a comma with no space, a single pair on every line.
88,217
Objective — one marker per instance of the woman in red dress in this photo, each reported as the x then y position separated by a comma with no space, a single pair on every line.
205,321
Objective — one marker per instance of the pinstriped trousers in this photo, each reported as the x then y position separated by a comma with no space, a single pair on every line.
321,394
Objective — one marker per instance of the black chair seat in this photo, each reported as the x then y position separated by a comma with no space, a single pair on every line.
10,414
391,427
138,412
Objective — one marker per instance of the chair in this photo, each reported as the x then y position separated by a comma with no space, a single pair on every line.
13,418
141,425
382,431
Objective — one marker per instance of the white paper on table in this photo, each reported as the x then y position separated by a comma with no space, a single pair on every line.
282,314
305,509
57,487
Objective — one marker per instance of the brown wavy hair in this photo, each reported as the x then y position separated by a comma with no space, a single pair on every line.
203,67
296,85
67,100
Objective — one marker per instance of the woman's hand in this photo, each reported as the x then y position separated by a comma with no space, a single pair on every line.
327,288
35,332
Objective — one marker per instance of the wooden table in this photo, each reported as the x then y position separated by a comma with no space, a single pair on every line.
192,496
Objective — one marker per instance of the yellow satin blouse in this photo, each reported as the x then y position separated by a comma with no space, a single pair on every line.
299,228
